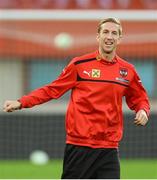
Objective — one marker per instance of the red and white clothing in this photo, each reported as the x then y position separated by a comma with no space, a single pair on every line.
94,115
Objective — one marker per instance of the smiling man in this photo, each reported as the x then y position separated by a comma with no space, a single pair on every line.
109,36
94,121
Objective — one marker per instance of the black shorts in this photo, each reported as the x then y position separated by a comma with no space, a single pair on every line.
82,162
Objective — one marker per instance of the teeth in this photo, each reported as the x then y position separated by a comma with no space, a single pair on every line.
108,43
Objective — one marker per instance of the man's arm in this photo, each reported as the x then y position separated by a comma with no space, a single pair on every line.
54,90
137,100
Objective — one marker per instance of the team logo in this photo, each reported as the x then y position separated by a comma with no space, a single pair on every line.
86,72
123,72
95,73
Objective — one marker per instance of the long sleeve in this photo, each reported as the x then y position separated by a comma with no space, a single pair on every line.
54,90
136,96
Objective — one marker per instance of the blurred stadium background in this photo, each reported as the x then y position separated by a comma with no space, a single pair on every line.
30,58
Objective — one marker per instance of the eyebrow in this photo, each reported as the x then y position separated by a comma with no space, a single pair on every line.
108,30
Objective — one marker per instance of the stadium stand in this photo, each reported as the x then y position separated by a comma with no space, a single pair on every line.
78,4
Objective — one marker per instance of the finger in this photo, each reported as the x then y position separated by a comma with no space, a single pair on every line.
137,122
139,116
5,104
144,122
144,119
141,122
5,109
9,108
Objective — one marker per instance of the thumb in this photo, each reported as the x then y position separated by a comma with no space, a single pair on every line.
8,108
6,104
137,115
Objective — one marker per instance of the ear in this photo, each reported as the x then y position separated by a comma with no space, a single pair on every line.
98,37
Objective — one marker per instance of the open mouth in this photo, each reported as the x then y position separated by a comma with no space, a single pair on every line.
108,43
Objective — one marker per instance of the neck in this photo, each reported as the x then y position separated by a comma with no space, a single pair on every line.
107,56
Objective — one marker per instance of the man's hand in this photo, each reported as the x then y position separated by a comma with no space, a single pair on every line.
10,106
141,118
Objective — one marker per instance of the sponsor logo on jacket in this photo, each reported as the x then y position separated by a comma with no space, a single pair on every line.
96,73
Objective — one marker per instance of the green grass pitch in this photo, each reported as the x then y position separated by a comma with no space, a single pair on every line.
130,169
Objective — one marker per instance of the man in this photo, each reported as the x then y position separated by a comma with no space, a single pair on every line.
94,123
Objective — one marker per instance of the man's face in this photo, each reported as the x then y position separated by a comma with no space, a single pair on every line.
108,37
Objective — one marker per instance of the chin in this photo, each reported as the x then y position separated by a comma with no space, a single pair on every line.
108,51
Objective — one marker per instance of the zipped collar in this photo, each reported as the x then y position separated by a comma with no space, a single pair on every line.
99,58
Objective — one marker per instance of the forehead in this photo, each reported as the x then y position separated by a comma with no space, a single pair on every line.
110,26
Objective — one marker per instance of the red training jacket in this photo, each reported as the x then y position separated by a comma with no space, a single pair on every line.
94,116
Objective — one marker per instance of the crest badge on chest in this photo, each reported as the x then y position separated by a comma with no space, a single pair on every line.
123,72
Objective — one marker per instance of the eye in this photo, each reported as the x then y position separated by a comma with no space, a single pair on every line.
115,32
105,32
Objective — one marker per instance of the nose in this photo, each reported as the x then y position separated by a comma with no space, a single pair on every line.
109,35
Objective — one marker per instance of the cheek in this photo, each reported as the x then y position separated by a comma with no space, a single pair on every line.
100,40
118,41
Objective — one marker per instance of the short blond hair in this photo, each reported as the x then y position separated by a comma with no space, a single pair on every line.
113,20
